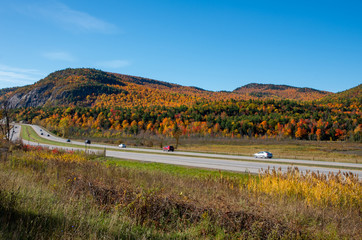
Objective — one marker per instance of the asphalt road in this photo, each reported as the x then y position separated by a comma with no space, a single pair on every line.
202,160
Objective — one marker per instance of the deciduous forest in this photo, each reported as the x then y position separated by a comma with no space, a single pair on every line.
89,102
230,118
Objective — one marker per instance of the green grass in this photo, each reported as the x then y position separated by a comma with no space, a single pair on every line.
174,169
28,134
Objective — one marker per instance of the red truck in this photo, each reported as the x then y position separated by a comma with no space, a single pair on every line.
168,148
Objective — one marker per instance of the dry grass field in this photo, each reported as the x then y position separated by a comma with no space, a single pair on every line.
47,194
309,150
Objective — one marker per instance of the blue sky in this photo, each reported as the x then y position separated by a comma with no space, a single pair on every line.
212,44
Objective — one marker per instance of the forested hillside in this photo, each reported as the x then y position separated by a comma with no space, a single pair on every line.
353,95
91,87
251,118
267,91
89,102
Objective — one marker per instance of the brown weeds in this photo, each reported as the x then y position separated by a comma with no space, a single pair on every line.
264,207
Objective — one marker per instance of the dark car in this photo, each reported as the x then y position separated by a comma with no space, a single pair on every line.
168,148
48,135
41,134
87,141
68,140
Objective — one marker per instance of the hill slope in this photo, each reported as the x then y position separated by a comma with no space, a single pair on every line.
280,92
349,95
76,86
64,87
91,87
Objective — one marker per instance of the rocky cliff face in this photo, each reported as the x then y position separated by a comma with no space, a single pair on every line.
33,98
64,87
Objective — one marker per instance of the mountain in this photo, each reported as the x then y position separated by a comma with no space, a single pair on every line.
349,95
84,86
91,87
64,87
280,92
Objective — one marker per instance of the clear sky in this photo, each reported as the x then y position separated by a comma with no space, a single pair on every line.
212,44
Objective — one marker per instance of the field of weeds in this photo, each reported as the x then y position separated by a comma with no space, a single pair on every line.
48,194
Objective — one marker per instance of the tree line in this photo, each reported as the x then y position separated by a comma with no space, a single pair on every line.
225,118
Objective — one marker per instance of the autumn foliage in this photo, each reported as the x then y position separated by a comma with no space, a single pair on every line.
92,102
230,118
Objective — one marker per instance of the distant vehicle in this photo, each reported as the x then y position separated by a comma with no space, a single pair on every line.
263,154
41,130
87,141
68,140
48,135
41,134
122,145
168,148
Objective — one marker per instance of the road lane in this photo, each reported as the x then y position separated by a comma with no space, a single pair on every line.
52,137
15,132
230,165
194,160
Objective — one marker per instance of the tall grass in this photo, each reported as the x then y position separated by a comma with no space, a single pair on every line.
50,194
342,190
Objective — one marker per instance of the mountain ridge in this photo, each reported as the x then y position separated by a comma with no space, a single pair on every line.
280,91
353,94
86,87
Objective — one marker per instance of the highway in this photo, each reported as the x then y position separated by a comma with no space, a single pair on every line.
200,160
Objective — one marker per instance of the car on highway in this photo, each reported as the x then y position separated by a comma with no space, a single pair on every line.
87,141
41,134
122,145
68,140
168,148
263,154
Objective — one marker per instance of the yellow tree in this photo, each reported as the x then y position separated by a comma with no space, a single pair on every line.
300,133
